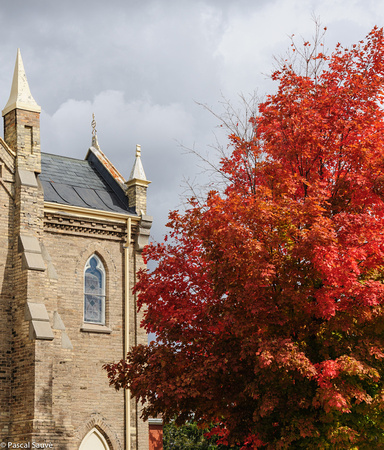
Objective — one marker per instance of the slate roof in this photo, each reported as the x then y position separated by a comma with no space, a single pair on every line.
84,183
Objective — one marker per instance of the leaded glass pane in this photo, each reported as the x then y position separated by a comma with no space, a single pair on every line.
93,283
93,308
94,291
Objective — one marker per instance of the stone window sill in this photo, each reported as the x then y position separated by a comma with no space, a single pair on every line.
94,328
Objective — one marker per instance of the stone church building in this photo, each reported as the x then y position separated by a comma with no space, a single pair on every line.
71,236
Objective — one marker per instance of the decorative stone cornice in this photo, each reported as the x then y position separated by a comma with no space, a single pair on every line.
88,213
63,224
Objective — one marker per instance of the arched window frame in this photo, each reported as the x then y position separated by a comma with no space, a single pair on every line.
100,270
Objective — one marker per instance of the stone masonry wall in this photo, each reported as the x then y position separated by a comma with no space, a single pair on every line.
27,287
22,133
7,167
137,198
79,394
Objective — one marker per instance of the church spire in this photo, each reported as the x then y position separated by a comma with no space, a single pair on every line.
20,97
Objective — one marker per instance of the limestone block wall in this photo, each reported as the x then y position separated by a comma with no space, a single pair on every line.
27,280
22,133
80,387
79,395
137,197
6,286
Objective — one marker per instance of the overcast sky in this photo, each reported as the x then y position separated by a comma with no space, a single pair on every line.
141,66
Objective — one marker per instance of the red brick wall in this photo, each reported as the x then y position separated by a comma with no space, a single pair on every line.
155,437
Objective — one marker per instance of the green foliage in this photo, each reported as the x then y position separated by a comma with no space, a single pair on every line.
189,436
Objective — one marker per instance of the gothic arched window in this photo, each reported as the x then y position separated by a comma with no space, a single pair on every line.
94,291
94,440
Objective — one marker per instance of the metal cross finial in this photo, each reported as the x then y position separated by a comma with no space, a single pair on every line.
93,123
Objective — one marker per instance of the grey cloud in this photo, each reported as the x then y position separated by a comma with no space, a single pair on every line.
140,64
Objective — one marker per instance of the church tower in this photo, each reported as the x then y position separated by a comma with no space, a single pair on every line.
25,274
71,236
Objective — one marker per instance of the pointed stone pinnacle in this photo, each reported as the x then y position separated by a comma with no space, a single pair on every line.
137,172
20,97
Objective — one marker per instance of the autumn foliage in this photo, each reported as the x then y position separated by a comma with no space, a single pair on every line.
267,300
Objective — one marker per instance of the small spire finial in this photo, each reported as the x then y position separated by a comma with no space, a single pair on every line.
93,123
138,170
94,133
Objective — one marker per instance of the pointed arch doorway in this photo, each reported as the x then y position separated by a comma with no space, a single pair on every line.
94,440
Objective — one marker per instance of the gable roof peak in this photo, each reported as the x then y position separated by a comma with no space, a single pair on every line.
20,96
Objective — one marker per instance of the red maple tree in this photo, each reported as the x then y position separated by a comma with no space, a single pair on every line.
267,302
